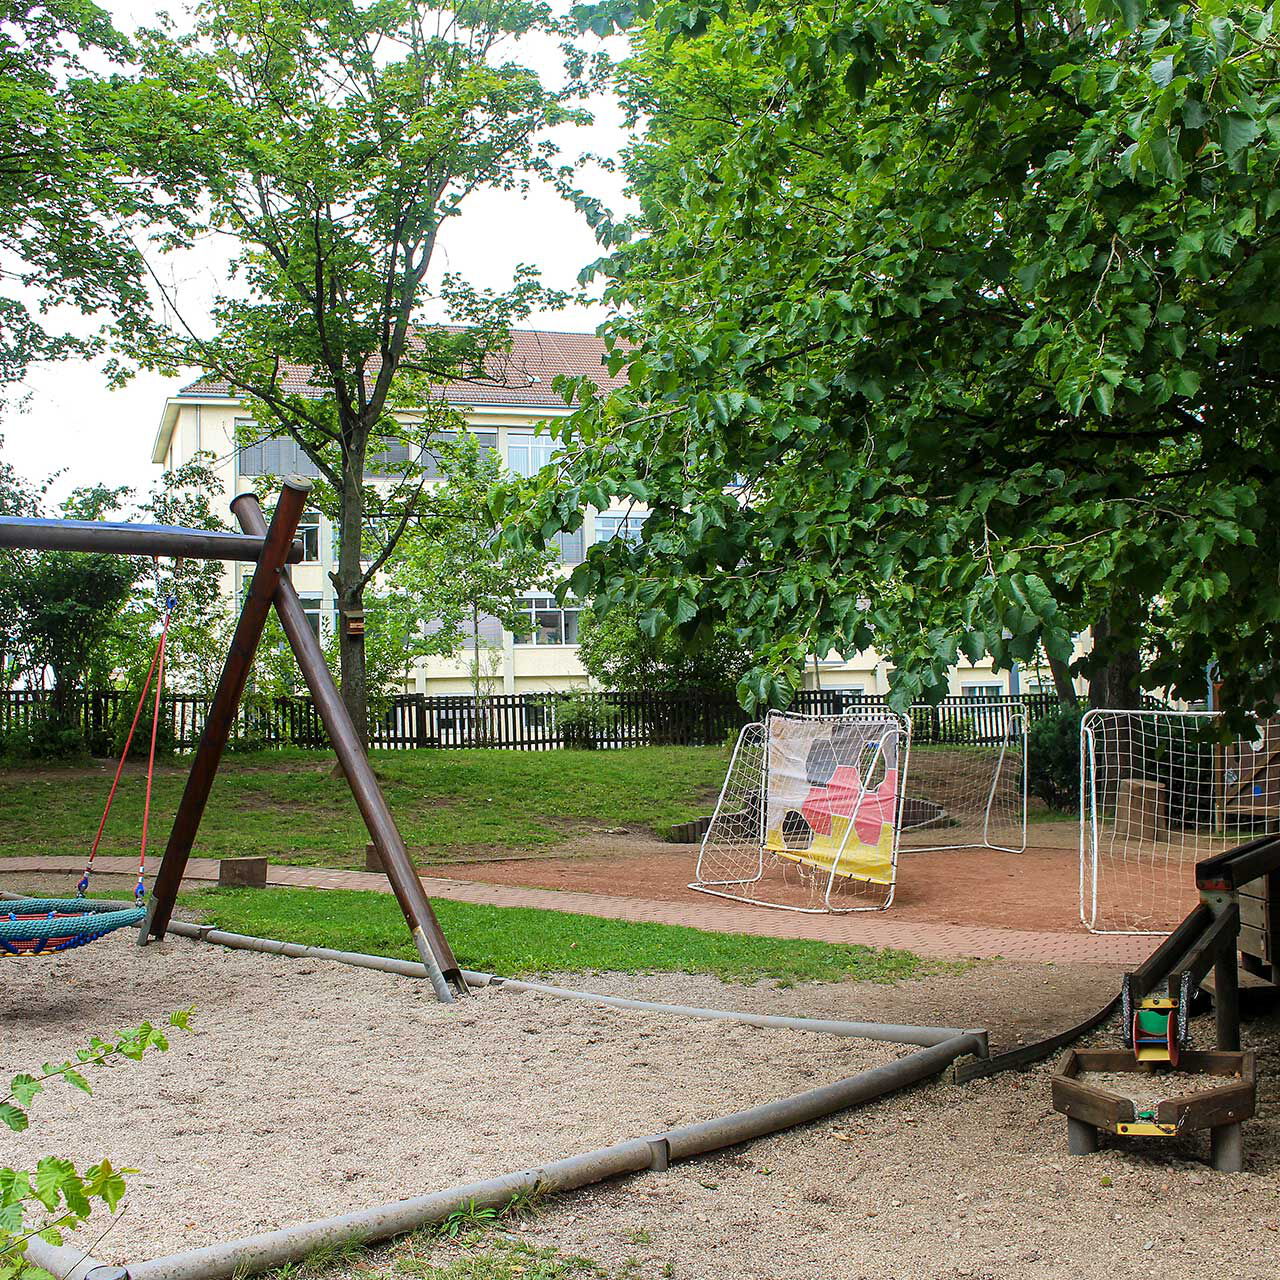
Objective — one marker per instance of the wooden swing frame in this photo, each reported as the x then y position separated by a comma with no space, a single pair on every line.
272,548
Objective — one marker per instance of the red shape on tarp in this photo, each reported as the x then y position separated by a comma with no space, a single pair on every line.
840,798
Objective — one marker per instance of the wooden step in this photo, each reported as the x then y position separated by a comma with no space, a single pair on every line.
1256,994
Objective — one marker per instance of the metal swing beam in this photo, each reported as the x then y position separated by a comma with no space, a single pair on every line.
108,538
272,548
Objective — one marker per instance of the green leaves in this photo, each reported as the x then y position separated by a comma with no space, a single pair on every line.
56,1197
994,360
1236,132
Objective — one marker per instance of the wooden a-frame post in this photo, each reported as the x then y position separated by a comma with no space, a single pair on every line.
221,718
442,968
270,585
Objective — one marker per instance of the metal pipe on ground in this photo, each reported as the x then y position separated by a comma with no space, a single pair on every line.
65,1261
891,1032
255,1254
106,537
428,937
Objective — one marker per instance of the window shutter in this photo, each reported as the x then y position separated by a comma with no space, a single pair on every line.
570,545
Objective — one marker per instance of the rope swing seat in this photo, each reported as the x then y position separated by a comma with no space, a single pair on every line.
47,926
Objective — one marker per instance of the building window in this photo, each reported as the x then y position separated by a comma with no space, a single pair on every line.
549,623
309,535
570,547
629,527
487,440
982,692
529,451
313,607
279,456
392,459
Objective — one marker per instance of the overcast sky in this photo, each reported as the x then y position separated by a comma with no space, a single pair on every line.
69,419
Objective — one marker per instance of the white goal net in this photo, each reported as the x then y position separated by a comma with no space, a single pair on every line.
809,815
1158,793
968,785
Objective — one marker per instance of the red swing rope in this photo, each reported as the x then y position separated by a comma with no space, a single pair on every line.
156,672
140,890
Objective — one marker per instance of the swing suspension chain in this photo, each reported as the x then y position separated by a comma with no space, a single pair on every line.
155,672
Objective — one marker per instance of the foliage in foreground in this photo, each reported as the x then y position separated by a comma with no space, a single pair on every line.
56,1198
521,941
948,331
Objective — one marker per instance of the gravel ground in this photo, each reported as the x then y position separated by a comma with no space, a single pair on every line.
943,1182
946,1182
311,1088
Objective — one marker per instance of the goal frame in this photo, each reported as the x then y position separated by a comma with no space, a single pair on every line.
1017,713
1090,834
722,888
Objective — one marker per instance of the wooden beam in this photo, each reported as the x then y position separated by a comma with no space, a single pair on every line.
429,939
278,540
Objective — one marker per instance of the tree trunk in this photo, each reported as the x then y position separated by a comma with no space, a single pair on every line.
348,582
1062,681
1115,683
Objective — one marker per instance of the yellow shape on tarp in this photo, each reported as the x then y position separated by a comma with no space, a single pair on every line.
859,861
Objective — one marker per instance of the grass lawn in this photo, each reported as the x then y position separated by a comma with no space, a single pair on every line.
518,941
451,805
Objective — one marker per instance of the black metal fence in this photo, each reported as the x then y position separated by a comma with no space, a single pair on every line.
520,721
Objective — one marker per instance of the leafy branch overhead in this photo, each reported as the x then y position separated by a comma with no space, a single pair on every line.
349,139
91,163
949,330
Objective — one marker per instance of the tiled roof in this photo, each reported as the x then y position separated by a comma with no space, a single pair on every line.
522,378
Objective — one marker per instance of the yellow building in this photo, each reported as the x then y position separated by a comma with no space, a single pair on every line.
511,415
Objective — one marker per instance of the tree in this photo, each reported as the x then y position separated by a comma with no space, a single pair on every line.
351,135
65,613
18,497
89,163
947,333
91,621
455,570
619,654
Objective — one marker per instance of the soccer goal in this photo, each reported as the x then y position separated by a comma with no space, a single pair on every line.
1159,792
809,814
968,786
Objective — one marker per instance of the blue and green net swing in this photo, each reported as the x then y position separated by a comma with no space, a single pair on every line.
46,926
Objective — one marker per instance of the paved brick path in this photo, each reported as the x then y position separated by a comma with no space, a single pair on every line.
941,941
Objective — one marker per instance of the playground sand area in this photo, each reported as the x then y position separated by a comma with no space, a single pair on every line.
941,1182
309,1088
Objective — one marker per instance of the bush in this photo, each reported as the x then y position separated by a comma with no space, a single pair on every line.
583,718
1053,759
43,739
141,745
